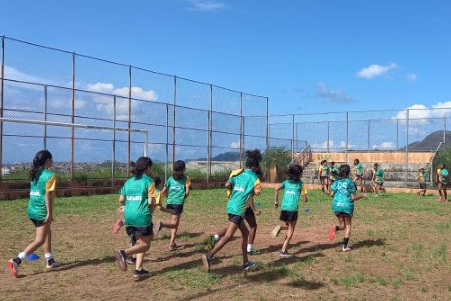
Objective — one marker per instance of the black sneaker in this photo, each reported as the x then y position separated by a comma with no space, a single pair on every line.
138,275
120,258
131,260
206,262
250,265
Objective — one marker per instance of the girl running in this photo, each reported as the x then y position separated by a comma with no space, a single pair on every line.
323,176
176,189
422,176
359,174
39,211
378,178
249,216
344,194
293,188
442,182
137,198
241,186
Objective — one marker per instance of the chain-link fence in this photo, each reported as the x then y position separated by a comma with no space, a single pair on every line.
200,123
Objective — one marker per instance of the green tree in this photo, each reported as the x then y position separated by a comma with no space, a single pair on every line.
276,157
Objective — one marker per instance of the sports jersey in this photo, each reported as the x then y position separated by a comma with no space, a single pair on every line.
243,183
379,173
136,207
359,169
291,195
333,175
342,202
45,181
177,189
444,176
324,170
422,176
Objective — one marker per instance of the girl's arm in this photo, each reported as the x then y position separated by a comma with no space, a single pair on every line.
252,205
165,191
187,191
49,205
276,195
356,197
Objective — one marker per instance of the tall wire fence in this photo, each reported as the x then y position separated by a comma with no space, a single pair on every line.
206,125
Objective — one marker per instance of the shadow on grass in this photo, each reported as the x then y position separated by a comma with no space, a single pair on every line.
368,243
80,263
209,292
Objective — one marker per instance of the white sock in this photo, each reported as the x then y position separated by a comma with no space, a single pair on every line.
249,247
48,256
216,236
22,256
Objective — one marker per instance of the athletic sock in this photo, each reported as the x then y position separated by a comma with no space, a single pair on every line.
216,236
345,242
22,256
249,247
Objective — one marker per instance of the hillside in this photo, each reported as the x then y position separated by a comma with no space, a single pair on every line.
430,142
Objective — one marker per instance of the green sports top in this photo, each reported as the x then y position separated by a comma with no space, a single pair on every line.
136,191
243,184
324,170
333,175
177,190
291,194
444,176
45,181
342,202
359,169
379,176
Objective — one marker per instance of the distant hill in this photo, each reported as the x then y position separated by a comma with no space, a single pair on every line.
430,142
229,156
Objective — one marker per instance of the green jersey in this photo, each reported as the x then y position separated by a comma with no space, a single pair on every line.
177,190
291,194
45,181
359,169
243,184
334,173
136,191
342,202
379,176
444,176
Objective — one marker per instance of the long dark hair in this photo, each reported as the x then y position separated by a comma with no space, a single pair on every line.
38,162
179,169
253,158
294,172
343,171
141,165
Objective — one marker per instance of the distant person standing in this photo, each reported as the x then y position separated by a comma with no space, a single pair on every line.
323,176
39,210
333,174
422,176
378,178
442,182
359,174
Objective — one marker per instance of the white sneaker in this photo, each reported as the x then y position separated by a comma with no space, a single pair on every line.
276,231
346,249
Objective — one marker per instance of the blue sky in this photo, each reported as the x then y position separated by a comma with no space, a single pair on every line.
306,56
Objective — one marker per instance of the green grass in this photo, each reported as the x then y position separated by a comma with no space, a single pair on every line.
398,242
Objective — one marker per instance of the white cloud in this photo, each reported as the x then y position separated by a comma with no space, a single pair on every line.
375,70
442,109
420,114
385,146
235,144
14,74
206,5
411,77
335,96
343,145
322,145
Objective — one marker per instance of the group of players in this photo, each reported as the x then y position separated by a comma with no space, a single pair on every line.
140,196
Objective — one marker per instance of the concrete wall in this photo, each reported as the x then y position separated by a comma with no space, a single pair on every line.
373,157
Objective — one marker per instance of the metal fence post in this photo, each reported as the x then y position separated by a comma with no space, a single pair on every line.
328,137
397,134
2,74
45,116
444,134
129,142
407,145
113,150
347,137
72,151
267,122
241,144
210,136
369,135
292,140
166,163
173,119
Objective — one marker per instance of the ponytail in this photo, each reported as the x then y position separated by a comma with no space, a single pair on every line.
179,169
38,162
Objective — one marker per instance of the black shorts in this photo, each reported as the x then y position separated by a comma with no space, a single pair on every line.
140,231
249,213
324,178
423,185
288,216
178,209
342,214
359,176
380,184
37,223
236,219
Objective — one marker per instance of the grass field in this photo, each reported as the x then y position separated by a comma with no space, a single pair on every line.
400,251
